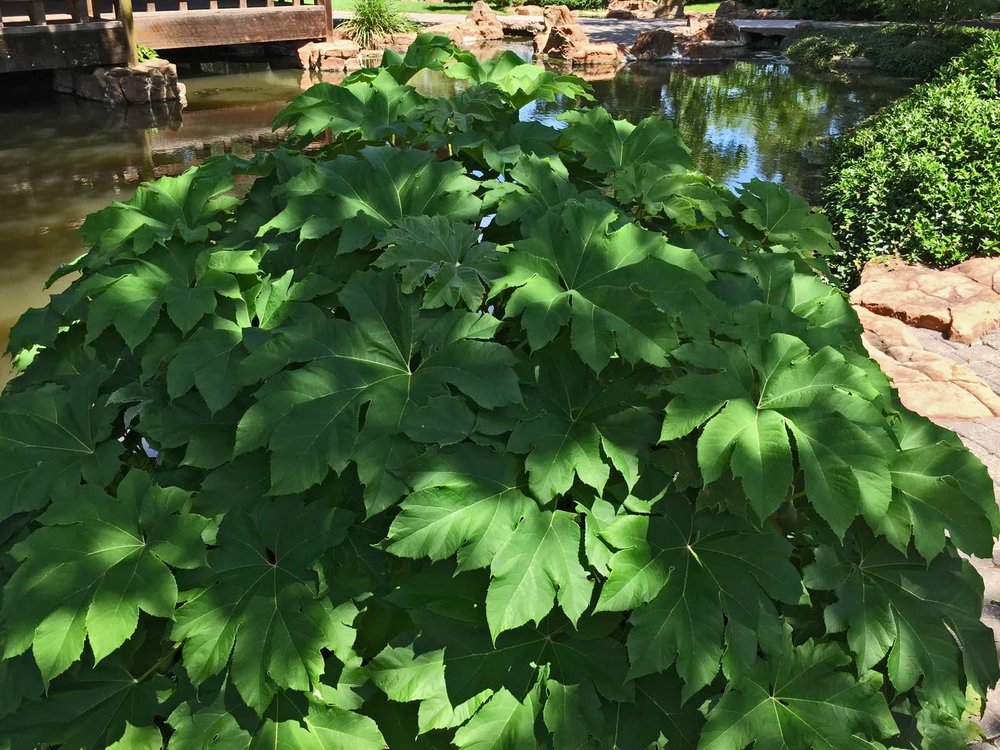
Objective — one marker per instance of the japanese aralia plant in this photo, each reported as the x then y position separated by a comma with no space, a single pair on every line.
453,430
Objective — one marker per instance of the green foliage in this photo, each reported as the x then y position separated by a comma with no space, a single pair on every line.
919,179
144,53
374,20
908,50
453,430
890,10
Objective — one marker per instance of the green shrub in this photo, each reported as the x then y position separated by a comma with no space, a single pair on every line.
891,10
374,20
460,431
909,50
576,4
922,178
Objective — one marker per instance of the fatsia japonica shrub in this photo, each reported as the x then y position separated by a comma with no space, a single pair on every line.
435,428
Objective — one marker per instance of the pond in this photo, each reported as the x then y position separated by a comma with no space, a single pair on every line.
63,158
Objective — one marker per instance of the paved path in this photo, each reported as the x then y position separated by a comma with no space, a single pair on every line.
982,437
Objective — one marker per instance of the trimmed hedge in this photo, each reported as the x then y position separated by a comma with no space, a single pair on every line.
908,50
922,178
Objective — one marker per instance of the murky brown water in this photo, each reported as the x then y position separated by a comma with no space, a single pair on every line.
61,158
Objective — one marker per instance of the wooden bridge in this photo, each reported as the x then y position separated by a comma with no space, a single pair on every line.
49,34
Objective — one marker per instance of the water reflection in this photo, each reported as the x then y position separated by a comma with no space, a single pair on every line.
63,158
745,119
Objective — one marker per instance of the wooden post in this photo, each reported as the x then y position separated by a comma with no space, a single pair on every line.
328,18
128,25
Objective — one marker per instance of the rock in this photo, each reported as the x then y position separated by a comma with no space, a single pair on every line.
158,66
157,88
956,304
628,9
529,10
562,36
657,44
561,42
329,56
928,383
985,271
842,62
62,80
722,30
886,332
522,25
483,22
601,54
732,9
89,85
556,15
669,9
136,88
398,42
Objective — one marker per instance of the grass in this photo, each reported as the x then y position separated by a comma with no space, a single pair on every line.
415,6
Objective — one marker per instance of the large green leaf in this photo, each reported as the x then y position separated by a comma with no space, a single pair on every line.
924,617
95,563
801,698
309,417
782,388
578,269
361,196
51,439
258,605
447,254
469,509
697,585
538,565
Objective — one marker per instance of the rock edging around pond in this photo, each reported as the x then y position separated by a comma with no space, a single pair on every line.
936,334
146,83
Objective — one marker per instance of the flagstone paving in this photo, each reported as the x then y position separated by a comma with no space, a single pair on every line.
937,335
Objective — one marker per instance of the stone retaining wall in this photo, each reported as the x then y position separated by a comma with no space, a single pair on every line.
147,83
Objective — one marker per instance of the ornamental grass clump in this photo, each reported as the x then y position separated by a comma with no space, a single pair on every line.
375,20
461,431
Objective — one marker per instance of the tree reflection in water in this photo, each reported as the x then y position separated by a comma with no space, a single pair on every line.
745,119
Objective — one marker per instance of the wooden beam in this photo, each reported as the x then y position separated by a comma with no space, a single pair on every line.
62,45
123,9
328,19
207,28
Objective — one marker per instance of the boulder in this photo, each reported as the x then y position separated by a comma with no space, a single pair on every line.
629,9
400,42
329,56
601,54
529,10
722,30
158,66
522,25
669,9
90,85
732,9
985,271
952,302
657,44
562,36
482,22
